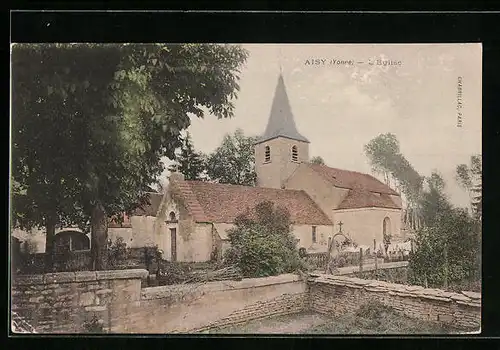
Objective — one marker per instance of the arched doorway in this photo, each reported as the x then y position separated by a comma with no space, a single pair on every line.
70,240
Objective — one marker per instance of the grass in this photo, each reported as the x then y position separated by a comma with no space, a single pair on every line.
376,318
373,318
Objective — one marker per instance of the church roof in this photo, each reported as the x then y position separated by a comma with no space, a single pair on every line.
222,203
281,121
352,179
365,199
365,191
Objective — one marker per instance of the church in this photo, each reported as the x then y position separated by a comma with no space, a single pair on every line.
321,200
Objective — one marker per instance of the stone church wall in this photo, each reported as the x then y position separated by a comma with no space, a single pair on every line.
365,225
304,233
274,173
322,193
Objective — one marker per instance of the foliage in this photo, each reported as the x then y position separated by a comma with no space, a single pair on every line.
433,200
450,248
262,244
317,160
94,325
368,318
387,239
233,162
302,252
469,177
91,123
117,252
385,157
189,162
172,273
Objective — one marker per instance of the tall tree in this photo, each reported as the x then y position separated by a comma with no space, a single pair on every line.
91,123
189,162
386,159
317,160
233,162
434,202
470,178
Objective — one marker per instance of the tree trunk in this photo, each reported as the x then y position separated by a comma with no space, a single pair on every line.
99,237
49,244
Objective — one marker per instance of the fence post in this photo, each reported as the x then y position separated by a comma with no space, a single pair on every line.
360,259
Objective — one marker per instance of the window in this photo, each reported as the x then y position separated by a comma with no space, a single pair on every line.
267,154
295,154
314,234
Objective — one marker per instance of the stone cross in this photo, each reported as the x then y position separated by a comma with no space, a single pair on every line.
340,224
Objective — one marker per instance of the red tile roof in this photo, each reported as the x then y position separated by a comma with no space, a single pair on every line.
222,203
365,199
351,179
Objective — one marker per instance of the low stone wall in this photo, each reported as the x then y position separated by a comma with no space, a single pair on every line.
197,308
62,302
338,295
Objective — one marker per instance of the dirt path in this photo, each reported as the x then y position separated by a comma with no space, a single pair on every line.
290,324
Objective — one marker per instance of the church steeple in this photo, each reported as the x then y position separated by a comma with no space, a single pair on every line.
282,148
281,121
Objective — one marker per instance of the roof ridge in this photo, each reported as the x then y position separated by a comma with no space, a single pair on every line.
351,171
241,186
317,167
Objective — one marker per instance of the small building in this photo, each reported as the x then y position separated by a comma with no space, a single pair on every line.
199,214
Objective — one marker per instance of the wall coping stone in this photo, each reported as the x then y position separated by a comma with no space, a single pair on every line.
80,276
466,298
164,291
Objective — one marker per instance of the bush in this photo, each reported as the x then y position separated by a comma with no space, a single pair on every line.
263,246
118,252
172,273
459,234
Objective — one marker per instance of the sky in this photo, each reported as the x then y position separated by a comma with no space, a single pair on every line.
341,107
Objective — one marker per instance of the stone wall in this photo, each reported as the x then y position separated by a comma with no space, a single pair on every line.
197,308
62,302
338,295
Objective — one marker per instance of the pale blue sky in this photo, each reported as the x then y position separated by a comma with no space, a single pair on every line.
341,108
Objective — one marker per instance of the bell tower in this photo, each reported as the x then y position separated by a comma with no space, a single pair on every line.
280,150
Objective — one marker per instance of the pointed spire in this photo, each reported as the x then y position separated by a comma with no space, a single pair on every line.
281,121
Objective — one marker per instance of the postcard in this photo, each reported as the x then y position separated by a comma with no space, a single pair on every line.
246,189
